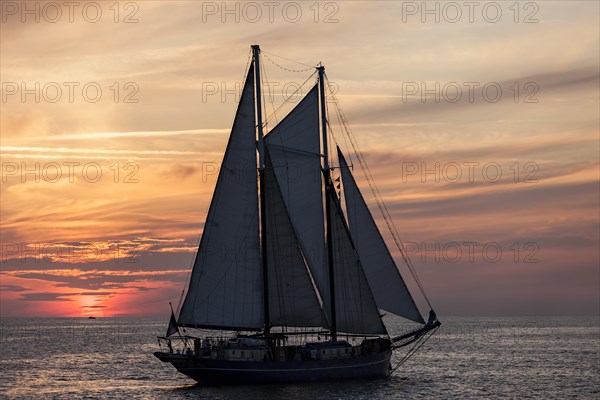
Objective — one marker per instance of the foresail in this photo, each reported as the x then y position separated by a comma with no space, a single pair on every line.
356,310
390,291
225,288
292,297
294,149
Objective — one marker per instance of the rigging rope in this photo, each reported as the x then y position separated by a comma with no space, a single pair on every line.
418,344
264,100
378,198
247,64
288,59
288,99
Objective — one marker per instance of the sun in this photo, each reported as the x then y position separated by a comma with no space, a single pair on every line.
90,305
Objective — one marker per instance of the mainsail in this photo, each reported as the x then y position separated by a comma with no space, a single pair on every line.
292,297
225,288
294,148
356,309
391,293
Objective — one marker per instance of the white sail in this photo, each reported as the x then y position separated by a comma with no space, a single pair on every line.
225,288
356,310
292,297
294,149
391,293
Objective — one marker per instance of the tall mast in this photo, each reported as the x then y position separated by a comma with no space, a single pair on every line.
261,174
261,149
328,189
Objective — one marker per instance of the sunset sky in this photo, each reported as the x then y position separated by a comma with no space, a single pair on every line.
114,121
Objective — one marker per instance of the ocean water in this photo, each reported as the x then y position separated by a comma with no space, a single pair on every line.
468,358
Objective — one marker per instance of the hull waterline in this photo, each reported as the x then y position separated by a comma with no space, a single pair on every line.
226,372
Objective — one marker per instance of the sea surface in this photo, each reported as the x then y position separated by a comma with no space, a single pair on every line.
468,358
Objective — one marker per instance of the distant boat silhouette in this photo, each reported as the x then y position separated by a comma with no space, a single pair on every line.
304,281
91,317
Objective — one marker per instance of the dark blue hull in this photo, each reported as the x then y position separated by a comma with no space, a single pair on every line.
226,372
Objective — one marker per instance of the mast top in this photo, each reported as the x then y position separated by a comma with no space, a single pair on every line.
259,125
321,70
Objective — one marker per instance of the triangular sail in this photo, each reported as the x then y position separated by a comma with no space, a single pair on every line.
356,310
292,297
225,288
172,328
391,293
294,149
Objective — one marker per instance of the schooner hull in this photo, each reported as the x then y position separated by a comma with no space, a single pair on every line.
223,372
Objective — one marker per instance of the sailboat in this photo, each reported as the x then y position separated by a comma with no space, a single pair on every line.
288,285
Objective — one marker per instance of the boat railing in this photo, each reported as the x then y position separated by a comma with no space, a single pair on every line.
278,342
187,344
177,344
